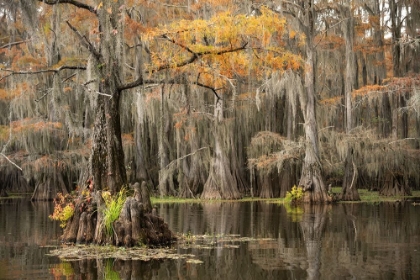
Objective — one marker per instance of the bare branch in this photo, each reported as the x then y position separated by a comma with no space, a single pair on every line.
42,97
291,13
214,90
69,77
85,41
175,6
292,4
95,91
71,2
17,166
183,157
8,45
64,67
400,140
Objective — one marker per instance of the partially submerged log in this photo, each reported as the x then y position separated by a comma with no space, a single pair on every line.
136,225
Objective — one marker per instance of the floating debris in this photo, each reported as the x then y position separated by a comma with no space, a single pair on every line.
194,261
81,252
71,252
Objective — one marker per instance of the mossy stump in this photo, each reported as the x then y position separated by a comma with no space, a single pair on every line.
136,224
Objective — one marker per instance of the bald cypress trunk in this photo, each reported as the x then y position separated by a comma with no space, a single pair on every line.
136,224
395,184
349,190
221,183
311,178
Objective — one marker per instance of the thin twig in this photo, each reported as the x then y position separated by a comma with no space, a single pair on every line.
183,157
399,140
8,45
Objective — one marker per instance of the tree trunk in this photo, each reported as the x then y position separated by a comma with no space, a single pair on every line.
97,161
395,185
395,17
49,185
378,37
349,190
12,180
140,135
221,183
107,158
266,184
192,170
166,182
107,164
311,177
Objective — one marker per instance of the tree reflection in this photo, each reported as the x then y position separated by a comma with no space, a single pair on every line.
313,227
348,240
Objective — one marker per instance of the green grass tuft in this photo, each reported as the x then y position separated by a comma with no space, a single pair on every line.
113,208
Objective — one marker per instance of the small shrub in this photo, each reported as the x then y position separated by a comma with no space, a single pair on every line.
63,209
295,195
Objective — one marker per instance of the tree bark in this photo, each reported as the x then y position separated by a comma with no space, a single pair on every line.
12,180
311,177
395,185
166,182
137,223
349,189
395,15
221,183
49,185
107,160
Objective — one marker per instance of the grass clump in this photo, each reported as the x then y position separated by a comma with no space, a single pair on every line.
114,205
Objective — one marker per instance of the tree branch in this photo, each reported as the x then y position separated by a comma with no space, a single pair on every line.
17,166
193,58
183,157
71,2
293,15
85,41
8,45
214,90
64,67
292,4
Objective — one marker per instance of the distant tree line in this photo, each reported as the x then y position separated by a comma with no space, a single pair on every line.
210,99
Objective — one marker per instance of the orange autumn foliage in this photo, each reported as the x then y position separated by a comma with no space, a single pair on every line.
34,124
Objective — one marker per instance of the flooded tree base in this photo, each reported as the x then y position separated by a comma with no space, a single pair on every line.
137,223
395,185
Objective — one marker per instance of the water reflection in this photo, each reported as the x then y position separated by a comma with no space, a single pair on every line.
25,236
369,241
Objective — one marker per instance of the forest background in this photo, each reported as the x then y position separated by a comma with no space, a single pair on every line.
210,99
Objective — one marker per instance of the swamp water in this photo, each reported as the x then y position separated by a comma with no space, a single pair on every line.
233,240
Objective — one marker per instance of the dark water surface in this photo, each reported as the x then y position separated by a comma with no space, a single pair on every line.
345,241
